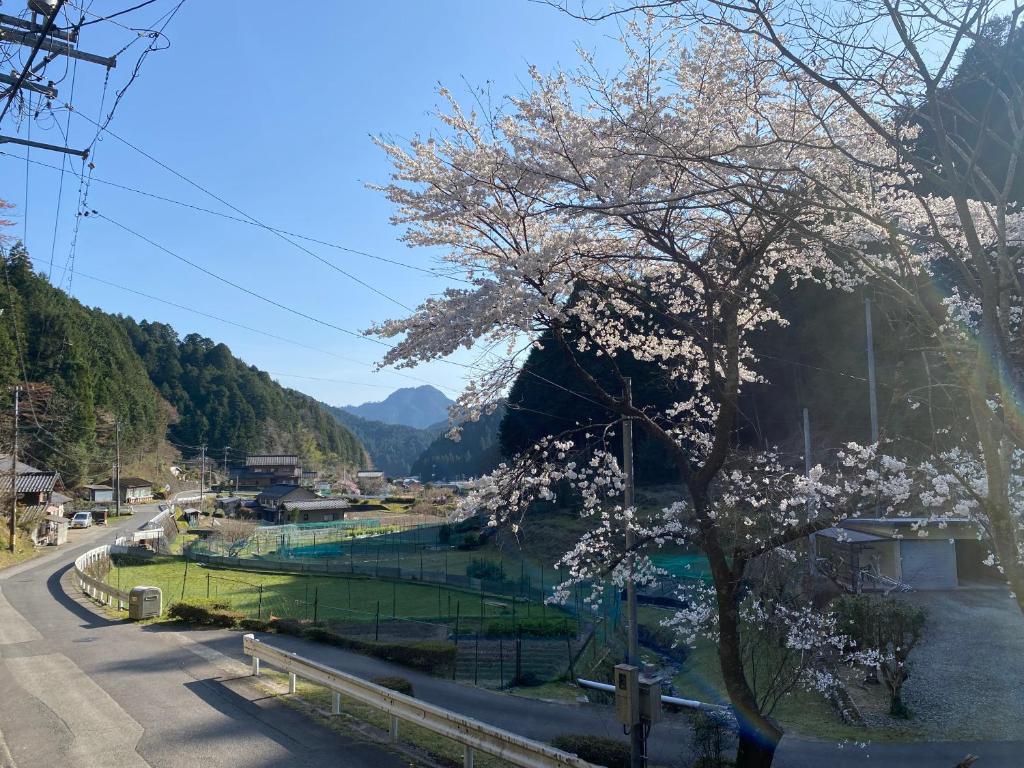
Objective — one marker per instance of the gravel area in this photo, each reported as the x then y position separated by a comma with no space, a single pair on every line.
967,675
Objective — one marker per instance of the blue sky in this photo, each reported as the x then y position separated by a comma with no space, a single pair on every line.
271,108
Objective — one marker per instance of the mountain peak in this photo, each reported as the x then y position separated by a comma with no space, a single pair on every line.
417,407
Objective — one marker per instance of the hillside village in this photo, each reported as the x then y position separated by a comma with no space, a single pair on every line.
526,384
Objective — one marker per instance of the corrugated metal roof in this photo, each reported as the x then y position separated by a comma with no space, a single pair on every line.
281,489
369,473
35,482
98,487
315,506
130,482
272,460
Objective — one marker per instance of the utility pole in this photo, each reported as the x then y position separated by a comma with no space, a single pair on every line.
117,469
14,470
636,731
202,475
226,449
812,539
873,398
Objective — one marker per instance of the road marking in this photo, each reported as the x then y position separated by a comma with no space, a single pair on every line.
104,734
14,629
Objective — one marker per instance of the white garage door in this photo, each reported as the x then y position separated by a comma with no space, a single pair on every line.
928,564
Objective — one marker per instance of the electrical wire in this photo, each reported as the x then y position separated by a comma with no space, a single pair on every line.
235,285
253,219
229,217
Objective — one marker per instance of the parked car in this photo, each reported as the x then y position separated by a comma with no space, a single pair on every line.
81,520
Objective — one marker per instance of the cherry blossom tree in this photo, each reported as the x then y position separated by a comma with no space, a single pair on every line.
647,215
923,102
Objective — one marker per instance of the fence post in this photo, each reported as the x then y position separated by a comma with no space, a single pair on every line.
336,704
376,568
376,623
256,665
458,608
501,663
393,730
519,656
476,660
446,566
439,614
259,605
207,586
467,756
184,578
394,595
481,605
316,604
572,666
291,682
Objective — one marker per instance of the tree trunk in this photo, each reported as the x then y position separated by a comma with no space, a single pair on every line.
756,750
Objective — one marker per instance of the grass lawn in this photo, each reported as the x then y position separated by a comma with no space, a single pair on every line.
23,550
801,713
336,597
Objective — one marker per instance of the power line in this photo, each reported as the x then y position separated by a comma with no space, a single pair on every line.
235,285
47,27
229,217
253,219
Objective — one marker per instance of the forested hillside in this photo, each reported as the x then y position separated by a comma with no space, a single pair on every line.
392,448
222,401
89,372
90,368
475,453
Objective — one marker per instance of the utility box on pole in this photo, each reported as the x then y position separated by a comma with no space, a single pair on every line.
627,694
650,701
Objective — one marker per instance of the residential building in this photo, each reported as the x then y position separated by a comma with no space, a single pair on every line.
37,496
309,478
263,470
134,490
315,511
271,500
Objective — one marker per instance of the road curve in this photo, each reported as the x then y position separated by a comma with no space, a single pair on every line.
78,690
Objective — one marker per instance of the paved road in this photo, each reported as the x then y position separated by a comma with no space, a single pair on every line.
669,740
78,690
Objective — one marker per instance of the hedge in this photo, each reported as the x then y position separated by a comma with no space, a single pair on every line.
215,613
435,658
395,683
530,627
598,750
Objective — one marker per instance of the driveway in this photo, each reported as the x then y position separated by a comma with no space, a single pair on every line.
967,675
82,691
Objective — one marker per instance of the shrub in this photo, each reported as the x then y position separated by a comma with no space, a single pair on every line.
434,658
712,740
485,569
893,628
598,750
255,625
553,627
216,613
470,541
395,683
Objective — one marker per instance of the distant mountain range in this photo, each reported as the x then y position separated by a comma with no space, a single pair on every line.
392,448
419,407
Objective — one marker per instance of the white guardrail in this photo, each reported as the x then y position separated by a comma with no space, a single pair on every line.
95,588
472,734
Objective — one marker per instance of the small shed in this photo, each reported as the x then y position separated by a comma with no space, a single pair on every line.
56,530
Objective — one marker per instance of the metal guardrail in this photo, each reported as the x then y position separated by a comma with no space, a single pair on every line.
95,588
472,734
